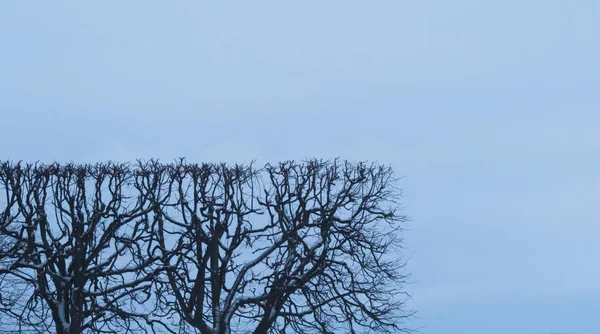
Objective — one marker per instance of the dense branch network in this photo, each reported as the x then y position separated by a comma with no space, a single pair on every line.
309,247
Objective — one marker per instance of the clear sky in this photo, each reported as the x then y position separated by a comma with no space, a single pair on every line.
491,109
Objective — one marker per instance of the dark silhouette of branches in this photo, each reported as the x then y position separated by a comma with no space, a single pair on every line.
75,238
308,247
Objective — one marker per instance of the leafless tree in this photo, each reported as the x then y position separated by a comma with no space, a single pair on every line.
302,248
309,247
73,242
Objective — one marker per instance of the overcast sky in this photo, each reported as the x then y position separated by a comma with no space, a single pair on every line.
490,109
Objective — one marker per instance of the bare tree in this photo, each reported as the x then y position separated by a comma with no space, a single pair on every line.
74,244
307,248
211,249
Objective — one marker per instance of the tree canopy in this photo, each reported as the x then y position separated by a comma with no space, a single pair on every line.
310,247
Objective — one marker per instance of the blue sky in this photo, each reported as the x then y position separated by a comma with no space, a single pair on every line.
490,109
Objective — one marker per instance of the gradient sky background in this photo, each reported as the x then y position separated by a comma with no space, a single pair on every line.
491,109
